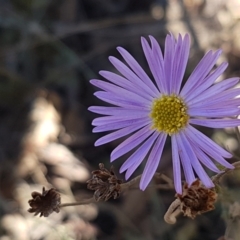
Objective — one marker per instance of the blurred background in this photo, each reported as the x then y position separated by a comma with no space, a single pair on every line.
49,50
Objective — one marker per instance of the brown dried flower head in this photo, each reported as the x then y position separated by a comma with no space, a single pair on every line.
105,184
196,199
45,203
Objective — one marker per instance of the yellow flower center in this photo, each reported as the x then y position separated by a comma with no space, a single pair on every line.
169,114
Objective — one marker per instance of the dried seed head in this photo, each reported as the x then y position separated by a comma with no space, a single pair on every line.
196,199
105,184
45,203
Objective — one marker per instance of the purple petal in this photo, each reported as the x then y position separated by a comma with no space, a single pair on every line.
124,83
114,119
118,134
121,102
228,94
118,91
181,59
220,97
116,111
131,142
200,72
155,61
208,146
204,158
153,161
121,124
195,163
126,72
213,91
216,123
208,81
176,166
168,60
137,69
232,103
217,112
175,61
138,156
105,110
187,167
135,165
227,104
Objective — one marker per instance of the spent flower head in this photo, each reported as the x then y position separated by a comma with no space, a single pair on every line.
151,111
105,184
196,199
45,203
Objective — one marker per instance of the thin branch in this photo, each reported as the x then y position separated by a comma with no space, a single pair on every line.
216,179
127,185
83,202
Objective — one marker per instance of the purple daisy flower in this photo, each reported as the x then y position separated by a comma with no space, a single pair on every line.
150,112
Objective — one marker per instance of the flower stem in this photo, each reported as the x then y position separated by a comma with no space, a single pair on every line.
83,202
127,185
172,212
